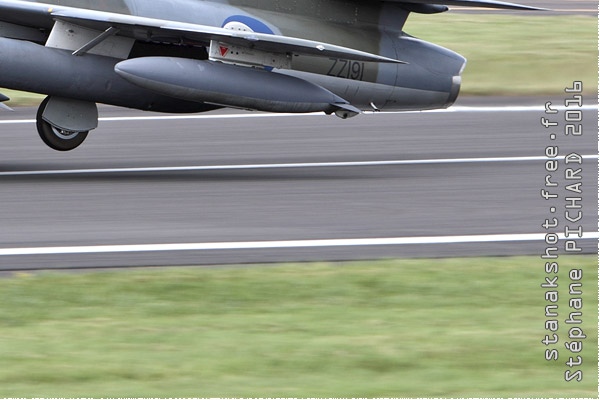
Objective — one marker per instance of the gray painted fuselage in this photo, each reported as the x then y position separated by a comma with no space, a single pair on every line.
429,79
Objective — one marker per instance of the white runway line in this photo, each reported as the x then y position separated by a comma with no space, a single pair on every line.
383,163
454,109
284,244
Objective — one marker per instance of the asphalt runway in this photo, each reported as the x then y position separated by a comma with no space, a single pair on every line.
233,187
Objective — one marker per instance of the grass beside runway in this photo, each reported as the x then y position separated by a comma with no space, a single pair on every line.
18,98
516,55
507,54
403,328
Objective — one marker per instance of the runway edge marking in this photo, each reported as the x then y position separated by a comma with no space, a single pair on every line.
280,244
191,168
454,109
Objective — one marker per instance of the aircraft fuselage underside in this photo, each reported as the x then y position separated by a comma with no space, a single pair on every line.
180,56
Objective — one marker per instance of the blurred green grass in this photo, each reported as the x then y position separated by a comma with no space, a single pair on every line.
507,54
18,98
400,328
516,55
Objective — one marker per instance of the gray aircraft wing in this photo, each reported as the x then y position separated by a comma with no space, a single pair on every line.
40,15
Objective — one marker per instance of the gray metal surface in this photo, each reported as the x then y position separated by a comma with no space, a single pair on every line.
232,85
71,115
431,199
428,76
90,78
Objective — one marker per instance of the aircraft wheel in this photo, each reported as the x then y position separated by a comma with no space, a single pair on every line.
56,138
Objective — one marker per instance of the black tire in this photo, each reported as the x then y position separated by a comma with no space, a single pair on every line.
56,138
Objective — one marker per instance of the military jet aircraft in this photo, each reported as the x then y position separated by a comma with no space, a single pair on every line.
184,56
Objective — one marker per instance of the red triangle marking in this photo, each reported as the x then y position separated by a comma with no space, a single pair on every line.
224,50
